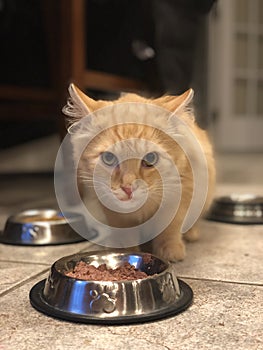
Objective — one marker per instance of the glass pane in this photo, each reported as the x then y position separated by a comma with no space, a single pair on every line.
241,11
240,96
260,52
241,51
260,99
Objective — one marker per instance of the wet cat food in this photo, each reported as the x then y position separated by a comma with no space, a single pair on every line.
88,272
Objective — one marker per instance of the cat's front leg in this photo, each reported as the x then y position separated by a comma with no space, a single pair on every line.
192,235
169,245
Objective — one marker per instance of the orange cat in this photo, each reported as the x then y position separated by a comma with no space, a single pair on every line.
147,165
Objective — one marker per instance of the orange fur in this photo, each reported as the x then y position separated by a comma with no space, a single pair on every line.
169,243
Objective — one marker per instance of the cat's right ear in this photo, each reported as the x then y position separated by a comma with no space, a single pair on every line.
78,105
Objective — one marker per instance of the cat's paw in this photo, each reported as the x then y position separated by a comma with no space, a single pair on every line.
192,235
170,251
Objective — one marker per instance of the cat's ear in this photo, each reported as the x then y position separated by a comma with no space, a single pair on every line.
75,107
177,104
184,100
78,105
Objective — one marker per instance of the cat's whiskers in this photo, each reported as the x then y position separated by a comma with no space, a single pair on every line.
92,179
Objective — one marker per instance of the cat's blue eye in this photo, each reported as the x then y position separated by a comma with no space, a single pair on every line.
109,159
150,159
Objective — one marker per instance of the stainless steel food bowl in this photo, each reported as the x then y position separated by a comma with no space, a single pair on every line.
40,227
159,295
237,209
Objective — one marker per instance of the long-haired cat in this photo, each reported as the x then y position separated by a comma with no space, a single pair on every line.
145,148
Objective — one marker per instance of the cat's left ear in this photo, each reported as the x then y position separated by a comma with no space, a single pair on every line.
178,104
184,100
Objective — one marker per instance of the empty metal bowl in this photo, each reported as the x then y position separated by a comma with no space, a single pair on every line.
237,209
40,227
158,295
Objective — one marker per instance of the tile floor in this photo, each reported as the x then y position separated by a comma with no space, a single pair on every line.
224,269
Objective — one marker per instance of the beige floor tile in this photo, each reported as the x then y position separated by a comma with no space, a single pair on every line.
40,255
13,274
225,252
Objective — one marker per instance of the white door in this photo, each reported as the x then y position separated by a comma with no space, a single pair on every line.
236,75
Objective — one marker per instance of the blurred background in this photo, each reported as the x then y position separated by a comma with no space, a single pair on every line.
146,46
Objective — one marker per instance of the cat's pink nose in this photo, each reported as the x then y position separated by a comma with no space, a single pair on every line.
127,190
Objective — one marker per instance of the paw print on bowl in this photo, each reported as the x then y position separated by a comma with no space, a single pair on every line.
167,287
104,298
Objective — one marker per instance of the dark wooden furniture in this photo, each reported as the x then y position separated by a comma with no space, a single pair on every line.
64,22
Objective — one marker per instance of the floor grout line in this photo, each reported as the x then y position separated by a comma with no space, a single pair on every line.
22,283
24,262
258,284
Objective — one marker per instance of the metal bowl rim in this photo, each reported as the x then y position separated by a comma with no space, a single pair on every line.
94,253
17,218
244,199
